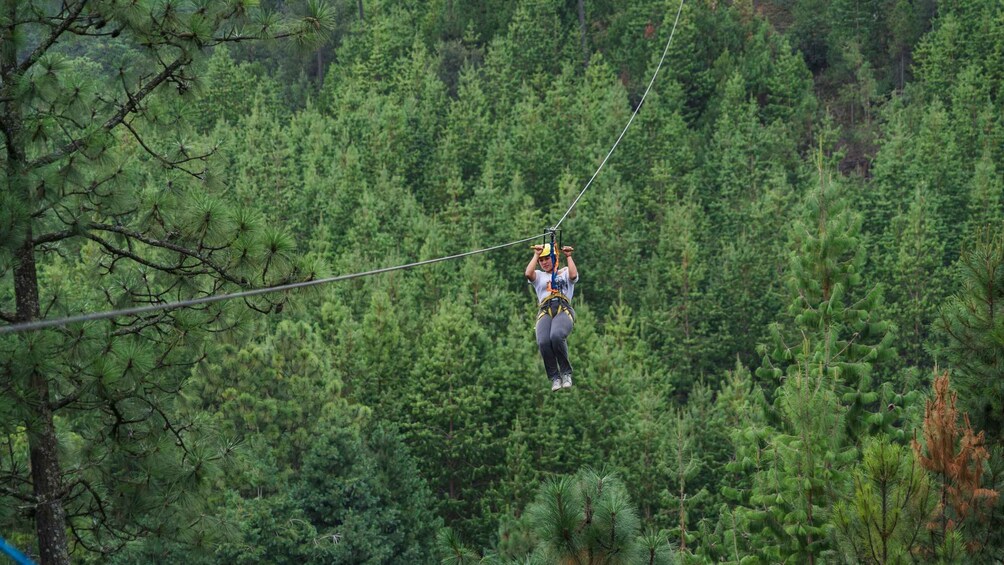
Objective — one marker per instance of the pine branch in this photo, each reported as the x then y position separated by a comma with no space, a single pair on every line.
7,491
89,193
48,42
120,253
70,398
148,322
177,431
169,246
172,164
238,38
53,237
137,236
130,106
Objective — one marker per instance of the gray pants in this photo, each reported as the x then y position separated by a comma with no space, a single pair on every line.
552,334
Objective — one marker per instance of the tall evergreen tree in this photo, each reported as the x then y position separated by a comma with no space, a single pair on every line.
834,324
802,468
749,205
684,464
986,195
674,297
361,490
914,268
446,411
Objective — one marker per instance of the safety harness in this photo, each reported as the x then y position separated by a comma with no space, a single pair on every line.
556,302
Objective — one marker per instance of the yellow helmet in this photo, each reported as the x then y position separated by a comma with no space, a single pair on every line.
546,251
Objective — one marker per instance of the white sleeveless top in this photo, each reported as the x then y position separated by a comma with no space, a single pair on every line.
542,284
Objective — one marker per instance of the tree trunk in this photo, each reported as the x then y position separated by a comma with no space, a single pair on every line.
582,32
50,516
320,68
902,68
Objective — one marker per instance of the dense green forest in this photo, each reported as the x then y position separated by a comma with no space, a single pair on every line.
789,333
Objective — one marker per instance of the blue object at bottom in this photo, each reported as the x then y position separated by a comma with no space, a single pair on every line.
17,556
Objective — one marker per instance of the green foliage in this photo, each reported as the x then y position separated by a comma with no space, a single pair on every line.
916,277
446,403
834,324
586,518
800,471
885,520
970,323
364,493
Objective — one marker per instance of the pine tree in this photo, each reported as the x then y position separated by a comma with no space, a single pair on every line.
906,22
810,33
269,393
361,490
802,466
885,519
742,412
674,294
963,34
79,142
684,464
836,323
641,451
986,196
467,127
588,518
447,418
232,89
520,478
750,206
916,277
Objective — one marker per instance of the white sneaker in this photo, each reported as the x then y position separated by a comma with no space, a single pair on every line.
566,380
555,384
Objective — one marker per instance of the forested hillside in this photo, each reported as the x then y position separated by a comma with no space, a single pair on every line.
788,335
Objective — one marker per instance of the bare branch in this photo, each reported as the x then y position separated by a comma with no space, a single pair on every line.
119,252
55,236
169,246
168,162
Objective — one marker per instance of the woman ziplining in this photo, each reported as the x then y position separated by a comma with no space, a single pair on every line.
35,325
555,315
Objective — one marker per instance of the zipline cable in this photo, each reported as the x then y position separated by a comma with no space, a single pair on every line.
637,108
42,324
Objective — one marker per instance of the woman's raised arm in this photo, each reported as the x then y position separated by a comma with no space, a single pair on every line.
531,268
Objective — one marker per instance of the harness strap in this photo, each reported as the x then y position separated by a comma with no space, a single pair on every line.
555,304
555,295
